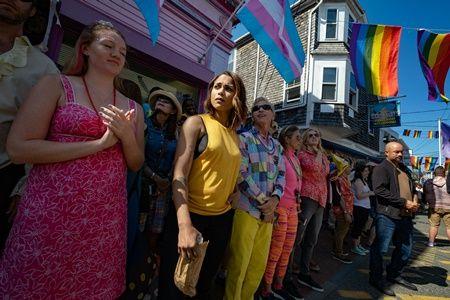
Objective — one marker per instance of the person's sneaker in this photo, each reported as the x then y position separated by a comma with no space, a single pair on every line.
314,267
358,251
309,282
363,249
269,296
282,294
292,289
431,244
342,259
382,287
343,253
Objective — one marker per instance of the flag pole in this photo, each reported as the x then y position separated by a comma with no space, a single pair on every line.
440,142
221,29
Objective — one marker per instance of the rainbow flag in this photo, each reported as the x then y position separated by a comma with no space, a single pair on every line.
406,132
374,57
417,134
150,11
430,163
434,56
415,161
271,25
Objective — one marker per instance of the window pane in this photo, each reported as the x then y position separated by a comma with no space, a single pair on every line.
331,15
295,82
331,31
293,93
328,92
329,75
352,98
352,81
349,31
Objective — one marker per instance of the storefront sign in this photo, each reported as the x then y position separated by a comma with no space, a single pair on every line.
385,114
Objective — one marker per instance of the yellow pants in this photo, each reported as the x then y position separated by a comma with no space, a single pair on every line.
249,249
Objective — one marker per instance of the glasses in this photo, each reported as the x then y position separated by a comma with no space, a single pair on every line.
263,106
313,134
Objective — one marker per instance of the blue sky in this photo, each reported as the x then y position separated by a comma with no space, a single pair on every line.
429,14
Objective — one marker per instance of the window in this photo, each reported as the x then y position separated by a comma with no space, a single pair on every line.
232,61
349,29
329,84
292,92
352,94
331,29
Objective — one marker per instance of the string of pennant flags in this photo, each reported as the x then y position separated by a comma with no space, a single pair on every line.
416,134
429,163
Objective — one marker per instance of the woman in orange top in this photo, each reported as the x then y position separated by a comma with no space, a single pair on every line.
207,162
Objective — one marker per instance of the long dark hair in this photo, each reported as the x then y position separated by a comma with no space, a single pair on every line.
238,113
360,166
171,123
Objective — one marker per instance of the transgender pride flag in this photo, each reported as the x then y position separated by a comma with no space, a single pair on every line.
271,25
150,11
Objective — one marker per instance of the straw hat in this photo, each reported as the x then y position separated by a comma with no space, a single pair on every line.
154,96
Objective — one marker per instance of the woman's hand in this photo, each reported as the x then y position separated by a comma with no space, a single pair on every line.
121,123
269,206
108,139
187,239
162,184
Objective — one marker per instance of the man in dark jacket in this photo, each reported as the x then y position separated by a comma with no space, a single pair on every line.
396,203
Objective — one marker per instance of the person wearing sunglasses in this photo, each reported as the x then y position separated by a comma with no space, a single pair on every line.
261,185
21,66
315,167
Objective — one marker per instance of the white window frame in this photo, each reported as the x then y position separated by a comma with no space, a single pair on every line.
232,60
330,83
349,27
355,91
296,85
335,23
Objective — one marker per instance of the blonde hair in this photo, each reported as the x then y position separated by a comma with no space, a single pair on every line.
305,136
238,113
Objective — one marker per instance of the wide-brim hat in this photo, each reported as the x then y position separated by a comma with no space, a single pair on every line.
154,96
341,164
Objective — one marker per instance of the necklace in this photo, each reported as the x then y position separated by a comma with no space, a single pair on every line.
90,98
269,150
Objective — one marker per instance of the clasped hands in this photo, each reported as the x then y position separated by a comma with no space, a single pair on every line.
268,208
120,125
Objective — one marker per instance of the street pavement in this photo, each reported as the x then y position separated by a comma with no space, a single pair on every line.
429,269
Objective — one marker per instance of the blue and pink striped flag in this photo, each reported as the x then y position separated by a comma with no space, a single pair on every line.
271,25
150,11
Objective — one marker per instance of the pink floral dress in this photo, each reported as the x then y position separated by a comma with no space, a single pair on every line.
68,240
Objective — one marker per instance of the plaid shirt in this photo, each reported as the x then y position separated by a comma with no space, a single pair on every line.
262,171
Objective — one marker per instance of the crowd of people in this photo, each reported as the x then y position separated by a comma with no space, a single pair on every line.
101,192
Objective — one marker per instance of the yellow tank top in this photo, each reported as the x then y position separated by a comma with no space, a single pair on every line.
214,172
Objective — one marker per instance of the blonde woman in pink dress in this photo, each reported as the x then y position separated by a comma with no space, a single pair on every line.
69,237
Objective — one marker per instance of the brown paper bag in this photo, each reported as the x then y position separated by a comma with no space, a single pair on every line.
187,271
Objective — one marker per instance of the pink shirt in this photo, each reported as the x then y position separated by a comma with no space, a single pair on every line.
315,173
293,181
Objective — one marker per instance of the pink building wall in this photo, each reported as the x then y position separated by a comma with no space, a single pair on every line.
187,27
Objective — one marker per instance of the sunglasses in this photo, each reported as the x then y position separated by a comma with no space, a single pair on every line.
313,134
263,106
164,100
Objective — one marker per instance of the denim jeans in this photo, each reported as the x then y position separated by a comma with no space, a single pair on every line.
309,224
400,232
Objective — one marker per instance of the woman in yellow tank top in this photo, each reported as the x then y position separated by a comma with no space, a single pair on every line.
207,162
